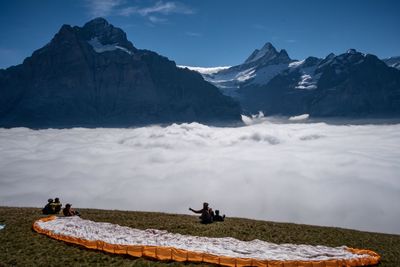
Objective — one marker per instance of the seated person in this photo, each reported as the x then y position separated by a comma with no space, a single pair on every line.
49,208
207,214
217,217
57,205
68,211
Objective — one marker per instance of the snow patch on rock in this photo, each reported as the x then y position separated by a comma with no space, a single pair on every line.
101,48
265,74
308,79
296,63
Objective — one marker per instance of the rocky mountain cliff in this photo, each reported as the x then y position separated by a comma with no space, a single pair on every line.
350,84
392,62
93,76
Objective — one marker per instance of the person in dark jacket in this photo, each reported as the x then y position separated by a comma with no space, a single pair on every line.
57,205
68,211
49,208
207,214
217,217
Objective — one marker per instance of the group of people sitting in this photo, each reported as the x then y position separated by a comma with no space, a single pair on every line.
208,215
54,207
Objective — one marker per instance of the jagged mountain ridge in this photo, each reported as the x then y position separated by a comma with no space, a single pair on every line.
392,62
93,76
349,84
258,68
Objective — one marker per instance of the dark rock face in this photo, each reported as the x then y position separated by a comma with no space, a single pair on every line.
93,76
350,84
363,86
392,62
106,33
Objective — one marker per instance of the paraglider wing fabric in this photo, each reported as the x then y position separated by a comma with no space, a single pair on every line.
162,245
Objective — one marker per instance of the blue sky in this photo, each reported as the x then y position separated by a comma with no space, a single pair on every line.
211,32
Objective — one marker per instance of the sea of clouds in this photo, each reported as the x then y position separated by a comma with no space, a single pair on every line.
312,173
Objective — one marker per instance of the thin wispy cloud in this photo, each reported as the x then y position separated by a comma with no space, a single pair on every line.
163,8
194,34
155,19
155,13
102,8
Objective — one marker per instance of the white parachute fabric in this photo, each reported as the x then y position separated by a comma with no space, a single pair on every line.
227,246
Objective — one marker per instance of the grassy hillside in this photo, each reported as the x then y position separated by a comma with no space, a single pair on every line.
20,246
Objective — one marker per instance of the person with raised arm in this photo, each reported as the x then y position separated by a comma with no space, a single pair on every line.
207,214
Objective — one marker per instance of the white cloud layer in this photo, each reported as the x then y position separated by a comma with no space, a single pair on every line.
160,7
314,173
205,70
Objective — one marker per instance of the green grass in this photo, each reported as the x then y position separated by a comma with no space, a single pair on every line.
20,246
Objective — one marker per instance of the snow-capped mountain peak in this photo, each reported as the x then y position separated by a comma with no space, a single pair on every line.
103,36
352,51
93,76
268,46
259,68
267,52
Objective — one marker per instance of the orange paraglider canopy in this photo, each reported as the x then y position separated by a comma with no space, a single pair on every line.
161,245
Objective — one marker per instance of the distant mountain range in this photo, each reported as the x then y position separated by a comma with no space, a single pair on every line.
349,84
93,76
